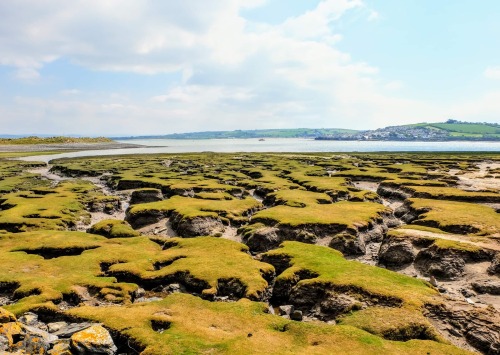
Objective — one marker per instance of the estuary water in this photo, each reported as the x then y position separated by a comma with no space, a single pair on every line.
277,145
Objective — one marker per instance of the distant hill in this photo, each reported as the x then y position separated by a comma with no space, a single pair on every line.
450,130
258,133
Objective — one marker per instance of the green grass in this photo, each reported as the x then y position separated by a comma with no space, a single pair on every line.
391,323
47,208
43,281
346,214
113,228
332,268
471,128
457,217
190,208
208,259
243,327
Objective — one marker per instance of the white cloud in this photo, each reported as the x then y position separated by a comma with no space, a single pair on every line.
235,74
492,73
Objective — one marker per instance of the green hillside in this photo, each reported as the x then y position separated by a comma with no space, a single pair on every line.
465,129
257,133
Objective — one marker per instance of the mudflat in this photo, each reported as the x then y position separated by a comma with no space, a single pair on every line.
231,253
65,146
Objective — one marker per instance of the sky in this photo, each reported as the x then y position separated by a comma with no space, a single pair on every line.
144,67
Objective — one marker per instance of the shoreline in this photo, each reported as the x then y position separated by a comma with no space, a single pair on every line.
66,147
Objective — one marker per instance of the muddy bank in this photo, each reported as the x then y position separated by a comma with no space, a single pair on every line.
66,146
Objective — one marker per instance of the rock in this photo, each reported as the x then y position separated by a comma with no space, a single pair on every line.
454,332
467,293
56,326
432,281
348,244
286,310
46,336
197,226
439,263
61,348
70,329
93,340
494,268
263,239
296,315
6,316
144,218
441,289
29,318
146,195
174,288
12,331
396,252
334,305
483,339
231,287
139,292
147,299
487,286
34,344
4,343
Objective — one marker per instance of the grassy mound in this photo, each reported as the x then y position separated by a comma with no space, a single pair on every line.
456,217
55,262
193,326
344,214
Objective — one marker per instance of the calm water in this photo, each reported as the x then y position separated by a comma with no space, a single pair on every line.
278,145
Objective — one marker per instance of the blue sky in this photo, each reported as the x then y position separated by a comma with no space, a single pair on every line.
138,67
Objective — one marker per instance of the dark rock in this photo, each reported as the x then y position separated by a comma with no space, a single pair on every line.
146,195
144,218
296,315
494,268
392,191
454,332
407,213
232,288
444,264
334,305
93,340
483,339
263,239
487,286
348,244
396,252
441,289
467,293
197,226
174,288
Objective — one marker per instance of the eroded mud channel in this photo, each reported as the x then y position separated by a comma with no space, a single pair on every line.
400,247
